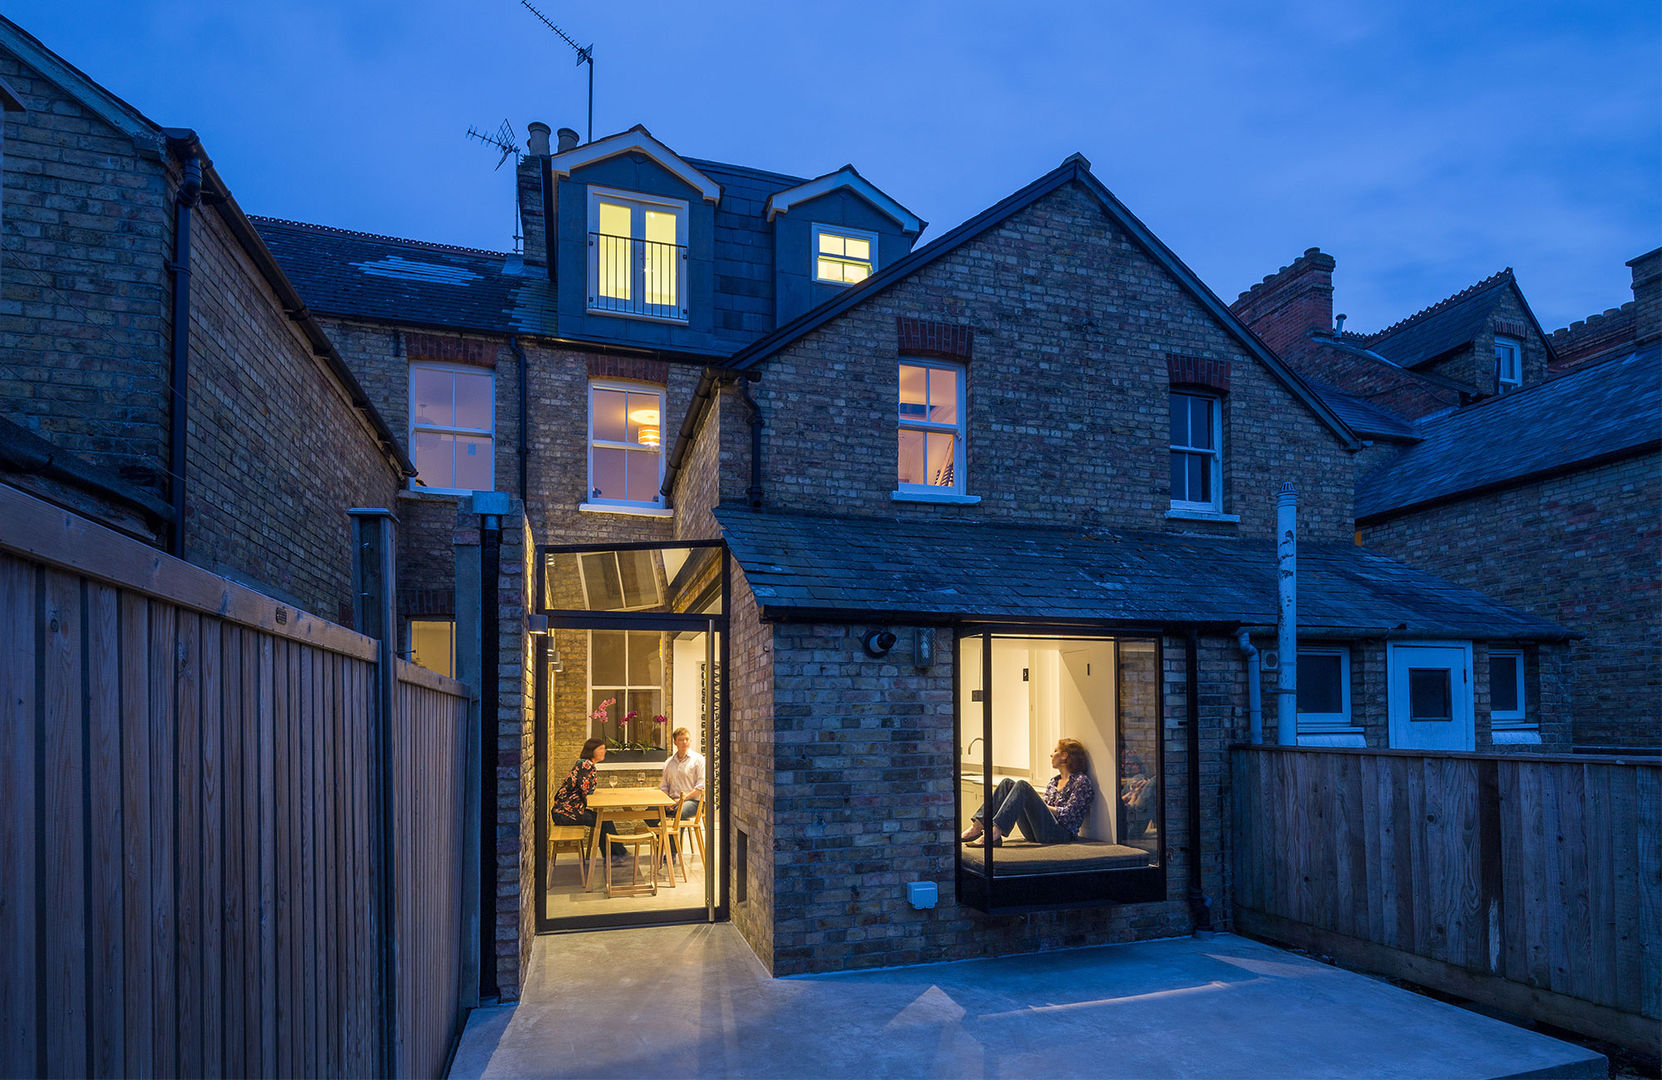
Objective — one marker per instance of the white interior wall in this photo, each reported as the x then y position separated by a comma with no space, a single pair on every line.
685,702
1086,694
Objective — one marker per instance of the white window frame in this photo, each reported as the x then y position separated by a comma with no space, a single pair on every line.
624,386
1513,719
1215,506
1329,729
818,230
637,204
1514,350
621,692
490,432
957,429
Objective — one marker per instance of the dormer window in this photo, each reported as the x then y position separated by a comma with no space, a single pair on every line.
637,255
843,256
1508,364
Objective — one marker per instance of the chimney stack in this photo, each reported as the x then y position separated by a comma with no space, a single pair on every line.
533,224
568,140
1288,304
1647,297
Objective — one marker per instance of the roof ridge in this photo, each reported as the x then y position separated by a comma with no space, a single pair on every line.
1442,305
736,167
433,245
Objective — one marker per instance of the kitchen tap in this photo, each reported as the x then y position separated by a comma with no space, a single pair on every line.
970,749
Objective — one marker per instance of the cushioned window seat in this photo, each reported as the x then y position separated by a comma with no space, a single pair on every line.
1019,858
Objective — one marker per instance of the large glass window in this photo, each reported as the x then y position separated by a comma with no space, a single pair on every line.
1196,452
1028,705
452,416
843,256
626,689
626,443
931,427
637,255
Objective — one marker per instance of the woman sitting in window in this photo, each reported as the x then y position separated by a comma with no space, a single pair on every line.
571,802
1052,819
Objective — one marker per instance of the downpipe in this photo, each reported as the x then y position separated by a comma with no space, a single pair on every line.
1255,677
178,385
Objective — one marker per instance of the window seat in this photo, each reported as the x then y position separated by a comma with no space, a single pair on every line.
1020,858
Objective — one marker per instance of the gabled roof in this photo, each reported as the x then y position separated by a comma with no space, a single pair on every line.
1449,324
1596,413
1074,169
809,567
82,87
637,140
848,179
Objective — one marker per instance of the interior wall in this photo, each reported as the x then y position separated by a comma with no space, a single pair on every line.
1085,686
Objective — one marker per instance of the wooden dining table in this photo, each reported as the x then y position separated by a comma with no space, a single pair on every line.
629,804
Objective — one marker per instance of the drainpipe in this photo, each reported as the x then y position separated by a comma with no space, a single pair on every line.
1286,627
1255,706
491,508
755,491
1200,905
178,389
524,423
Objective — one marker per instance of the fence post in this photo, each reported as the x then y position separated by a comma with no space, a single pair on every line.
374,614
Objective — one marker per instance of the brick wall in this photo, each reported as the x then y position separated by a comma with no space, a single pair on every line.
88,232
751,773
1067,391
1288,304
1584,550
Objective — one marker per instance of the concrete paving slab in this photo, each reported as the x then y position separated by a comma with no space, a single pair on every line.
694,1001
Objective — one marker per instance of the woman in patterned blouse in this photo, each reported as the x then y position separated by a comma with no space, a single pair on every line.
571,801
1054,818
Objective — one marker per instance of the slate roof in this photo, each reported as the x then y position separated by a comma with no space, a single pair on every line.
1363,416
743,249
389,279
1593,413
802,566
1445,325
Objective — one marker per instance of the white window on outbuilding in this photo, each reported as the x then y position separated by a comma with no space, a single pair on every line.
1508,364
452,422
843,256
637,255
1196,451
1324,697
931,421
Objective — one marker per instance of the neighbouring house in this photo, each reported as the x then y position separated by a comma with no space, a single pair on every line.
1535,478
157,370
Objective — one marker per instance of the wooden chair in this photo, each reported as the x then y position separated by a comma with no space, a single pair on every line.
634,841
695,825
572,838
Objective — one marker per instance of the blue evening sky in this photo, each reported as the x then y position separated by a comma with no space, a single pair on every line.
1424,144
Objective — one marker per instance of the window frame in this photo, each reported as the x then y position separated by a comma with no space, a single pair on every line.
818,230
959,429
623,690
1215,506
1515,348
1511,719
629,387
637,203
489,433
1329,729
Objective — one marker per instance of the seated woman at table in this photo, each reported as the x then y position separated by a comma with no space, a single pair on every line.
570,805
1054,818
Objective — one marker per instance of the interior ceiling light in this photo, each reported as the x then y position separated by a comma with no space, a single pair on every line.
648,436
645,415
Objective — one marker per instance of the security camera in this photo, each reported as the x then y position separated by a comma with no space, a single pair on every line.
877,642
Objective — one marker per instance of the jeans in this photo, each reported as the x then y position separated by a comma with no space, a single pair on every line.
587,818
1017,805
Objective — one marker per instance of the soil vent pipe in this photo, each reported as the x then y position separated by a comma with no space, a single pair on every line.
1286,627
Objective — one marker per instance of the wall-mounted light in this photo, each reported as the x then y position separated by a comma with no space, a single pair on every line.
923,648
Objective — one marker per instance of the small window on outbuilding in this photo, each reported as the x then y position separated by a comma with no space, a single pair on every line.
1324,698
844,256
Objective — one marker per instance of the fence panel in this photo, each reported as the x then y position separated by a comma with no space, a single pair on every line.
190,849
1527,881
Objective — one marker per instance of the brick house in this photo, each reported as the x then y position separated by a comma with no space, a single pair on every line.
1558,513
158,371
691,377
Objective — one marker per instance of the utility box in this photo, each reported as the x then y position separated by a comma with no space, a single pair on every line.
922,894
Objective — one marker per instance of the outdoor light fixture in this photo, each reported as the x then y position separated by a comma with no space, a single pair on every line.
878,643
923,648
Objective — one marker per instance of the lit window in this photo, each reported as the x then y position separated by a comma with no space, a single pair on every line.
1508,364
433,645
623,580
625,444
451,419
637,255
626,670
843,256
1506,687
1196,452
931,427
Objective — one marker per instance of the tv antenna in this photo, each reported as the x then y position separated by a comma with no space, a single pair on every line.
585,55
505,139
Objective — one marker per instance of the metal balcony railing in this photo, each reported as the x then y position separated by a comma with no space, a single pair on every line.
629,276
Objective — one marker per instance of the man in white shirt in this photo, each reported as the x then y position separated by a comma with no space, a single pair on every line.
683,779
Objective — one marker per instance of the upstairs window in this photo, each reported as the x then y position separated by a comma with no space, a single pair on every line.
637,255
931,427
843,256
452,417
1196,452
1508,364
625,444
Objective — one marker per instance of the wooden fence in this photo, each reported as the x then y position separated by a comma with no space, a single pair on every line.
190,860
1526,882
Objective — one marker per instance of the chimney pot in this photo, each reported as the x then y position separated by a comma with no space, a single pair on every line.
538,141
568,140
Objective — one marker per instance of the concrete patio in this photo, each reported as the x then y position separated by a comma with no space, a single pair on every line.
694,1001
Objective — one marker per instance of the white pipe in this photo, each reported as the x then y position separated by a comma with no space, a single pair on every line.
1255,680
1286,627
